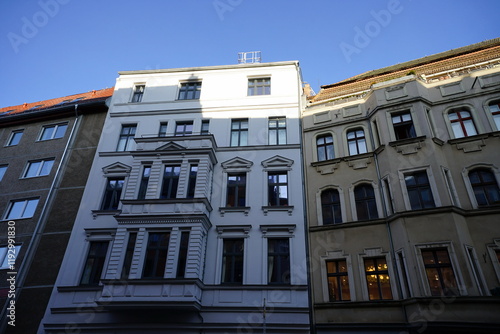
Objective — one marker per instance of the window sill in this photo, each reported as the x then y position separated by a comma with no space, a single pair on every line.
470,143
406,141
467,139
226,209
287,208
96,213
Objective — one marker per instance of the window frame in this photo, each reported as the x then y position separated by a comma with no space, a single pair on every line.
410,130
189,90
279,184
494,115
127,138
276,256
338,275
39,169
240,140
356,201
144,179
356,140
108,189
334,256
156,258
321,205
468,185
370,253
236,188
54,133
232,279
161,133
185,131
482,186
13,136
172,179
192,179
473,116
3,170
278,130
324,146
97,273
5,251
432,186
259,86
27,203
138,92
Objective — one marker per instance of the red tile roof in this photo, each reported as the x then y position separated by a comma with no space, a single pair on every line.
81,98
441,62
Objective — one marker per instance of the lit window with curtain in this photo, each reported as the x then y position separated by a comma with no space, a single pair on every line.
377,278
439,272
338,280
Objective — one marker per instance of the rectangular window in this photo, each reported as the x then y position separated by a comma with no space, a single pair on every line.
495,113
53,131
183,128
462,123
126,139
439,272
15,137
190,91
419,191
129,254
259,86
278,261
163,130
476,271
239,132
183,253
205,124
404,276
193,172
112,193
156,255
236,190
138,93
403,126
277,131
324,147
277,188
232,261
38,168
94,264
338,281
143,186
356,142
24,208
377,279
3,169
8,256
170,181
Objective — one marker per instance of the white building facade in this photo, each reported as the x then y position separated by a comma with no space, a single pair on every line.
192,220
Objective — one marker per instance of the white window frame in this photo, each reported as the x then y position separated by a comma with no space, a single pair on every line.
475,270
403,273
42,163
388,195
432,184
319,207
232,232
370,253
376,191
315,144
96,235
414,120
53,136
137,84
11,137
486,107
450,186
346,141
454,264
26,201
336,255
468,186
3,170
462,107
492,249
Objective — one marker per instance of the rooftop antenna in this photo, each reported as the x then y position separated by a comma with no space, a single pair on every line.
250,57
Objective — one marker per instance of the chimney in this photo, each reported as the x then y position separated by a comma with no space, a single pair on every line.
307,90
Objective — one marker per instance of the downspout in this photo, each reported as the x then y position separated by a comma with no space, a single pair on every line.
312,325
388,226
39,228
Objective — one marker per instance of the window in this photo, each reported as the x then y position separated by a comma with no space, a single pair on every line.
419,191
193,172
366,206
3,169
24,208
183,128
259,86
239,132
126,138
338,280
112,193
143,186
495,113
205,124
278,261
38,168
462,124
8,256
236,190
183,253
232,261
53,131
129,254
403,126
277,131
485,187
277,188
439,272
163,130
15,137
330,207
156,255
190,91
403,274
356,142
94,264
324,146
170,181
138,93
377,278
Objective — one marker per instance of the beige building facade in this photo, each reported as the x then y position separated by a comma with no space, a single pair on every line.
402,174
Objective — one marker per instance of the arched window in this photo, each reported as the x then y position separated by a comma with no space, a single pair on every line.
485,187
495,113
462,123
324,146
366,206
330,207
356,141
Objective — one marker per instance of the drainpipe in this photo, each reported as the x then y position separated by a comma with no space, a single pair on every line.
388,226
40,226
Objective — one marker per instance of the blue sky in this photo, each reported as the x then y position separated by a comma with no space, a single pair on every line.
54,48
